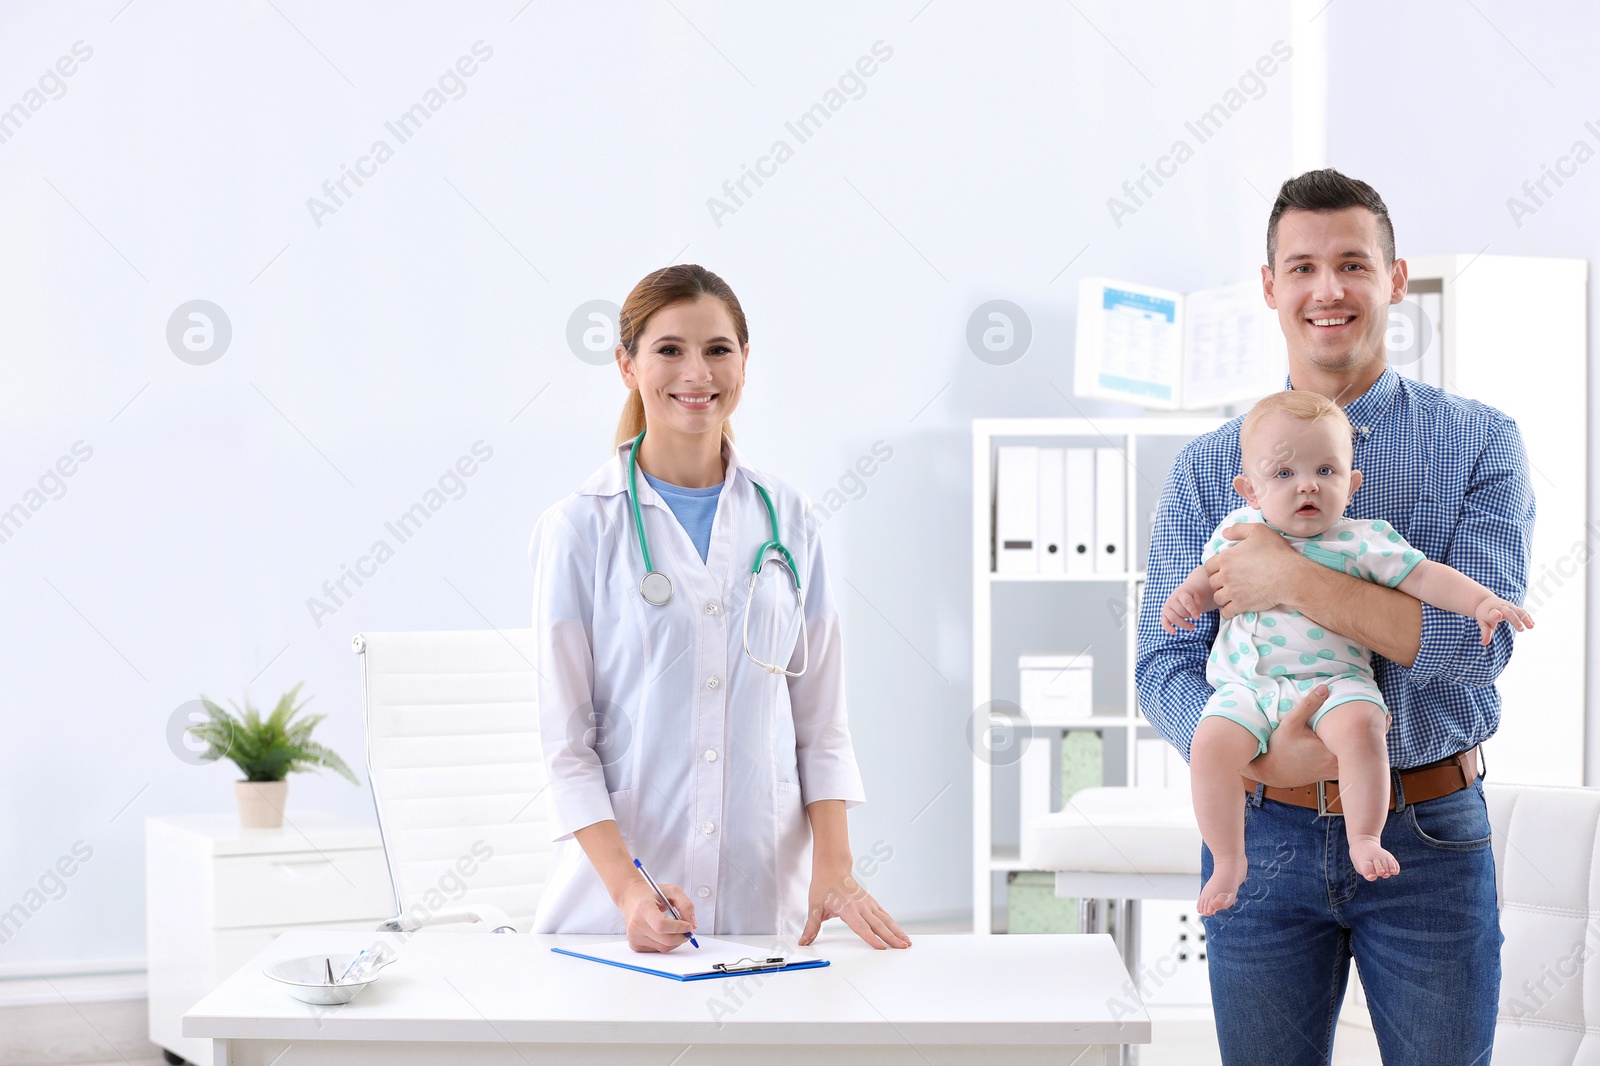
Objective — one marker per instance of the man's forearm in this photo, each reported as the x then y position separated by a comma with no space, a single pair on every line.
1386,620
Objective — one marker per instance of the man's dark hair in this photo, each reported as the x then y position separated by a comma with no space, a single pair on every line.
1328,190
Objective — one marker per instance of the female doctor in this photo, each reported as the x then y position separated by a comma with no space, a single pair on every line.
689,718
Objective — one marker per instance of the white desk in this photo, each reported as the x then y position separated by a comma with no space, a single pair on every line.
465,996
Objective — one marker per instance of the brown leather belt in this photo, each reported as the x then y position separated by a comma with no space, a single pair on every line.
1418,784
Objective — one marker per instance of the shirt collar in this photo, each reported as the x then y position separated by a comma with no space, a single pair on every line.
612,478
1366,410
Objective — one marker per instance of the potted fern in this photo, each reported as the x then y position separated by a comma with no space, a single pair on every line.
267,750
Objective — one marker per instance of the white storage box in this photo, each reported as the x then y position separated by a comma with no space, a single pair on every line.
1056,688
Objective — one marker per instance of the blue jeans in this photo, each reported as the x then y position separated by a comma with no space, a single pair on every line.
1426,942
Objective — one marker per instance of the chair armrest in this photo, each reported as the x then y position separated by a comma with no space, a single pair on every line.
496,919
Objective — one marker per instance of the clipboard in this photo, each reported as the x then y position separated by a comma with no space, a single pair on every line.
716,958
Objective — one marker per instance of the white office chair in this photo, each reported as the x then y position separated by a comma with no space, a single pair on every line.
457,777
1546,843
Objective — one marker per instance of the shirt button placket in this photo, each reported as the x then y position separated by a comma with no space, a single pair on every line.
710,724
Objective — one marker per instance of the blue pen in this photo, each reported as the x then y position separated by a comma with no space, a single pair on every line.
662,896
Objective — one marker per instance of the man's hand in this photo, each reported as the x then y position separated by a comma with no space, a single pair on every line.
1295,755
1253,575
1493,610
836,894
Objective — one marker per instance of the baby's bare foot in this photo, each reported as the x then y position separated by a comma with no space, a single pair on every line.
1222,888
1370,859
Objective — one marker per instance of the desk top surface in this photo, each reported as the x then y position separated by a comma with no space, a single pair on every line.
452,984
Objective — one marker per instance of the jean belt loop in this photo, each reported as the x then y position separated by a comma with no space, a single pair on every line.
1399,790
1255,798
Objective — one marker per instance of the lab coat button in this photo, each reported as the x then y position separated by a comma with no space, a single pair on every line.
703,892
708,828
711,608
712,683
711,755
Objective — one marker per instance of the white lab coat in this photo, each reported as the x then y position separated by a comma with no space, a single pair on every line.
653,716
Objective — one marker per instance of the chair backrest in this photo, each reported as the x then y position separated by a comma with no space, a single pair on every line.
1546,847
457,777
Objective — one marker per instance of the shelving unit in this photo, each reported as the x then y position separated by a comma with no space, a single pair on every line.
1123,434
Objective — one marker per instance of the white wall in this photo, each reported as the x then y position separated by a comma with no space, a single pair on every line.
1450,116
421,317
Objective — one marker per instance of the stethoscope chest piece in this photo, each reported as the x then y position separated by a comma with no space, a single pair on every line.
656,588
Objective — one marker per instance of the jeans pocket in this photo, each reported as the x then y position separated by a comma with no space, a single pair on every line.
1457,822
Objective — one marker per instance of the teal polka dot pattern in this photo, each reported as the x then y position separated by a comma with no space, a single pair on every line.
1261,667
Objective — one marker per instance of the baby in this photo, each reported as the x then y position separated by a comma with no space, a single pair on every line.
1297,449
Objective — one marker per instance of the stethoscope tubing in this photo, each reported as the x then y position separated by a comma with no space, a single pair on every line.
656,588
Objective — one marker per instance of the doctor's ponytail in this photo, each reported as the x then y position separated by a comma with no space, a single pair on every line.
683,283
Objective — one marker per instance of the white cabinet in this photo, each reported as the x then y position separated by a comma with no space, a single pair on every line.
1103,606
216,894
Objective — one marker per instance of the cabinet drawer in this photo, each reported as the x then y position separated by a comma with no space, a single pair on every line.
302,887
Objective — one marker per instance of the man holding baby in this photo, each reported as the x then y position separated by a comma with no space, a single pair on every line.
1449,477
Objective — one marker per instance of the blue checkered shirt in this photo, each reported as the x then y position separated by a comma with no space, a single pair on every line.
1451,476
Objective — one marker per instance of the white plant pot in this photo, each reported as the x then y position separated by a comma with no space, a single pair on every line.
261,803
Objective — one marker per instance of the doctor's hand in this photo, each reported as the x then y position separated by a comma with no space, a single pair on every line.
1254,575
836,894
650,927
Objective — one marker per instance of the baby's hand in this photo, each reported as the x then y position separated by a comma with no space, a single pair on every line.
1493,610
1181,606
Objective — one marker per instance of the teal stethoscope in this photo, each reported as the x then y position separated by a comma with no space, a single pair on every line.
656,587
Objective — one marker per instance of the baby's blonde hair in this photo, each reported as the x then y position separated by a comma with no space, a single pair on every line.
1306,406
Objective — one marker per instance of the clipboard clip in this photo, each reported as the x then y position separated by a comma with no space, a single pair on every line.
750,965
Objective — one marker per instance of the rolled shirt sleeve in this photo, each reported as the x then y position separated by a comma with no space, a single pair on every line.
1492,544
825,755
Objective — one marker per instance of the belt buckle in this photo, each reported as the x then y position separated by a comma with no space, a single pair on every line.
1322,802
